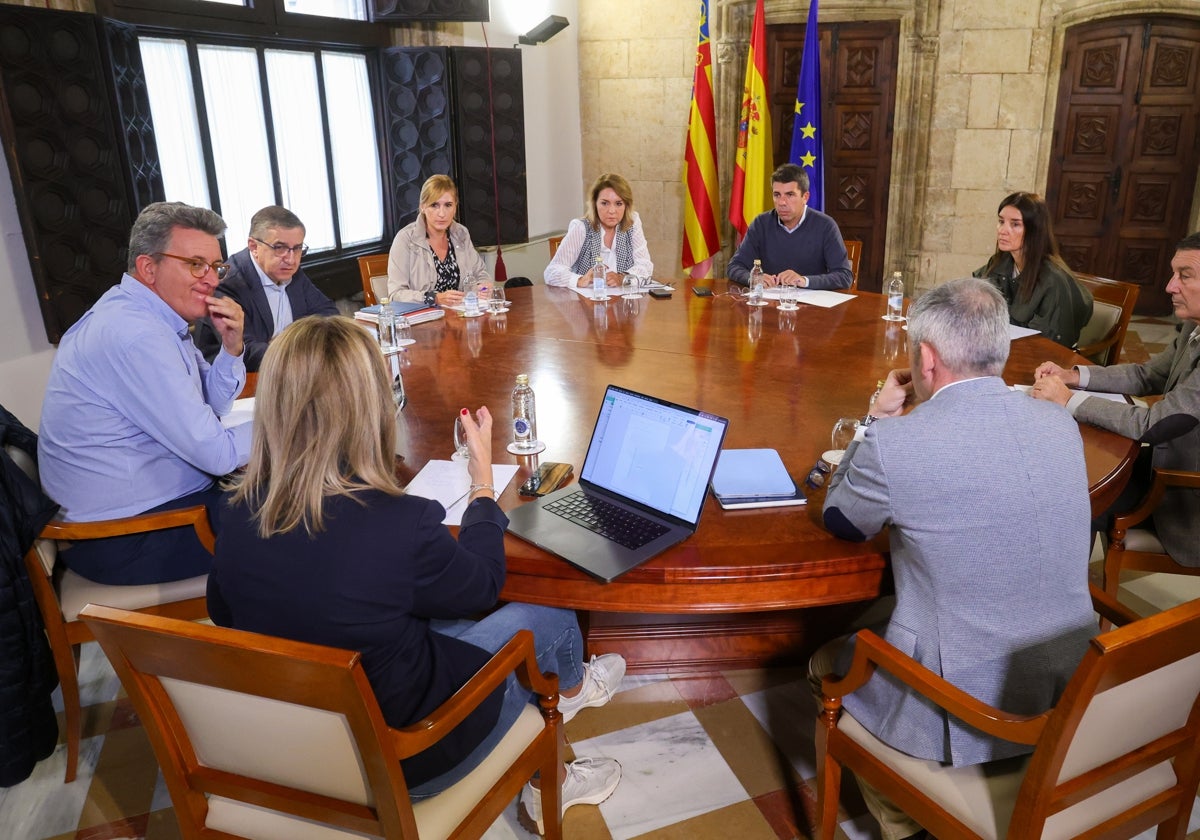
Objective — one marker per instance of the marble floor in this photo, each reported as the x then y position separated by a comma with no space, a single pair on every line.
717,755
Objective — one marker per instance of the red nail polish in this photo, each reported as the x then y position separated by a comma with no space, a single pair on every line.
464,411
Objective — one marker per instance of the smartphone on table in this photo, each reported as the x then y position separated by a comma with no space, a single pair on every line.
549,477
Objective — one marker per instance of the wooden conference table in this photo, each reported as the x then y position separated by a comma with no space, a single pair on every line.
781,378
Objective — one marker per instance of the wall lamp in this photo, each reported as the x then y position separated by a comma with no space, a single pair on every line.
545,30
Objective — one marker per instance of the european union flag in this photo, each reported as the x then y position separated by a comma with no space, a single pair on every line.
806,130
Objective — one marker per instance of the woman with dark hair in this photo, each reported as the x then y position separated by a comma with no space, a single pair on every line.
1041,291
609,230
324,546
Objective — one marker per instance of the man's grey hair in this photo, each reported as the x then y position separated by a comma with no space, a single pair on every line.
273,217
966,322
154,225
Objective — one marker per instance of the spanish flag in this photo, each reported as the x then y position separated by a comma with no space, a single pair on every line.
701,238
751,193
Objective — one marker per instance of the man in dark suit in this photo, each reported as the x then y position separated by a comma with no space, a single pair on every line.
266,279
985,495
1170,428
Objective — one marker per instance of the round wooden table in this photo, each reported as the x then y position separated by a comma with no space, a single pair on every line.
782,379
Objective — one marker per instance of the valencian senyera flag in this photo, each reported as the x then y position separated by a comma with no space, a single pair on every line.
806,131
751,193
701,237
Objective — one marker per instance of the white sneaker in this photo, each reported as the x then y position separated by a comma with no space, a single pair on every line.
601,678
589,782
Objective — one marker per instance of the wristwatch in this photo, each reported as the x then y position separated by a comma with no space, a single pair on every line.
867,420
430,298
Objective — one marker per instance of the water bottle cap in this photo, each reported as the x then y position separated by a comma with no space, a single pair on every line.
383,301
522,378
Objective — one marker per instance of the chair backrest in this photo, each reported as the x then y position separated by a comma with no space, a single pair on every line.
253,730
1123,740
373,270
554,242
854,252
1103,335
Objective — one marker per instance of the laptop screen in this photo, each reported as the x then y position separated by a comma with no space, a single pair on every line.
654,452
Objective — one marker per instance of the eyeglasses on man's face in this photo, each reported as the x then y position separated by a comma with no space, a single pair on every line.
197,266
282,250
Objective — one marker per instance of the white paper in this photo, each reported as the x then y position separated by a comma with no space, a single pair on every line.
617,291
1104,395
1015,332
242,412
824,298
448,482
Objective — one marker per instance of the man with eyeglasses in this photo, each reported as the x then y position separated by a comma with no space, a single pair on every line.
131,419
265,278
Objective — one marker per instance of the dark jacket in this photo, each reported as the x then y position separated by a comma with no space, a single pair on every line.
242,283
28,726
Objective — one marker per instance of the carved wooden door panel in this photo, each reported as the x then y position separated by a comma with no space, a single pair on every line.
858,86
1123,166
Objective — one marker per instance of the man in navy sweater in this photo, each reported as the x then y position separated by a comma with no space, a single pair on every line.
798,245
266,279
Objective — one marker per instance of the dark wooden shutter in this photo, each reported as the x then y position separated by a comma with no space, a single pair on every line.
406,11
67,164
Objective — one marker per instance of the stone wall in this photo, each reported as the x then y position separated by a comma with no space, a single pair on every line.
976,92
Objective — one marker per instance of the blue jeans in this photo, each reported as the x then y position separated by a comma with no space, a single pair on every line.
558,645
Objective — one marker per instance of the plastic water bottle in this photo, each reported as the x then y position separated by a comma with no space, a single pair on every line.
598,279
524,415
757,292
387,325
471,301
895,293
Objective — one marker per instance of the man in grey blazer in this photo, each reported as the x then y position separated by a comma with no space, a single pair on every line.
985,495
1170,427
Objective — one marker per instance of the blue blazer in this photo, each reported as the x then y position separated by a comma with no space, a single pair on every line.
985,494
243,285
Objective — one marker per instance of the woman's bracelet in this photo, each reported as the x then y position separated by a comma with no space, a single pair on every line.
474,488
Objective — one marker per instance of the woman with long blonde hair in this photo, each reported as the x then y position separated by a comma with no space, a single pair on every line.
319,543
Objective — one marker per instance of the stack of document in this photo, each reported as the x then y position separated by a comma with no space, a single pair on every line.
754,478
416,313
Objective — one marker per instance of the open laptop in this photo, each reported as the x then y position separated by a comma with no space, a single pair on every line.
640,491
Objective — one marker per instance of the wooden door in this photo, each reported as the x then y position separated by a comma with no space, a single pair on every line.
858,86
1123,166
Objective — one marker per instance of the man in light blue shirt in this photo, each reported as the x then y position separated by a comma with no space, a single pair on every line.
131,419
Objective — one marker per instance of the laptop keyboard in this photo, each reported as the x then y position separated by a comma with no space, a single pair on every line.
610,521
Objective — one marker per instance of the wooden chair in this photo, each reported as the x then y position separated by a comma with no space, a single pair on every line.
373,270
1116,756
61,594
854,252
260,737
554,242
1139,549
1103,334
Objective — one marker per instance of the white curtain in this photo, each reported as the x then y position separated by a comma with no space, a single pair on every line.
356,173
176,128
300,143
237,128
350,9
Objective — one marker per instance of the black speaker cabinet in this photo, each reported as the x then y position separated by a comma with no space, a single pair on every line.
407,11
67,145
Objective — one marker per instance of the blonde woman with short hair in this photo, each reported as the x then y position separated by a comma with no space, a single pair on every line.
320,543
433,259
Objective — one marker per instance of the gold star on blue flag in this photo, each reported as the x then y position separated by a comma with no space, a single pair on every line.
806,131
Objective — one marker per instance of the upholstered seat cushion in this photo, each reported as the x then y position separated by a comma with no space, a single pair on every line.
982,796
76,591
436,817
1139,539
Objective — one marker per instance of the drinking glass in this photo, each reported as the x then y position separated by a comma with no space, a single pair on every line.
787,297
461,450
631,286
843,432
404,336
497,302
